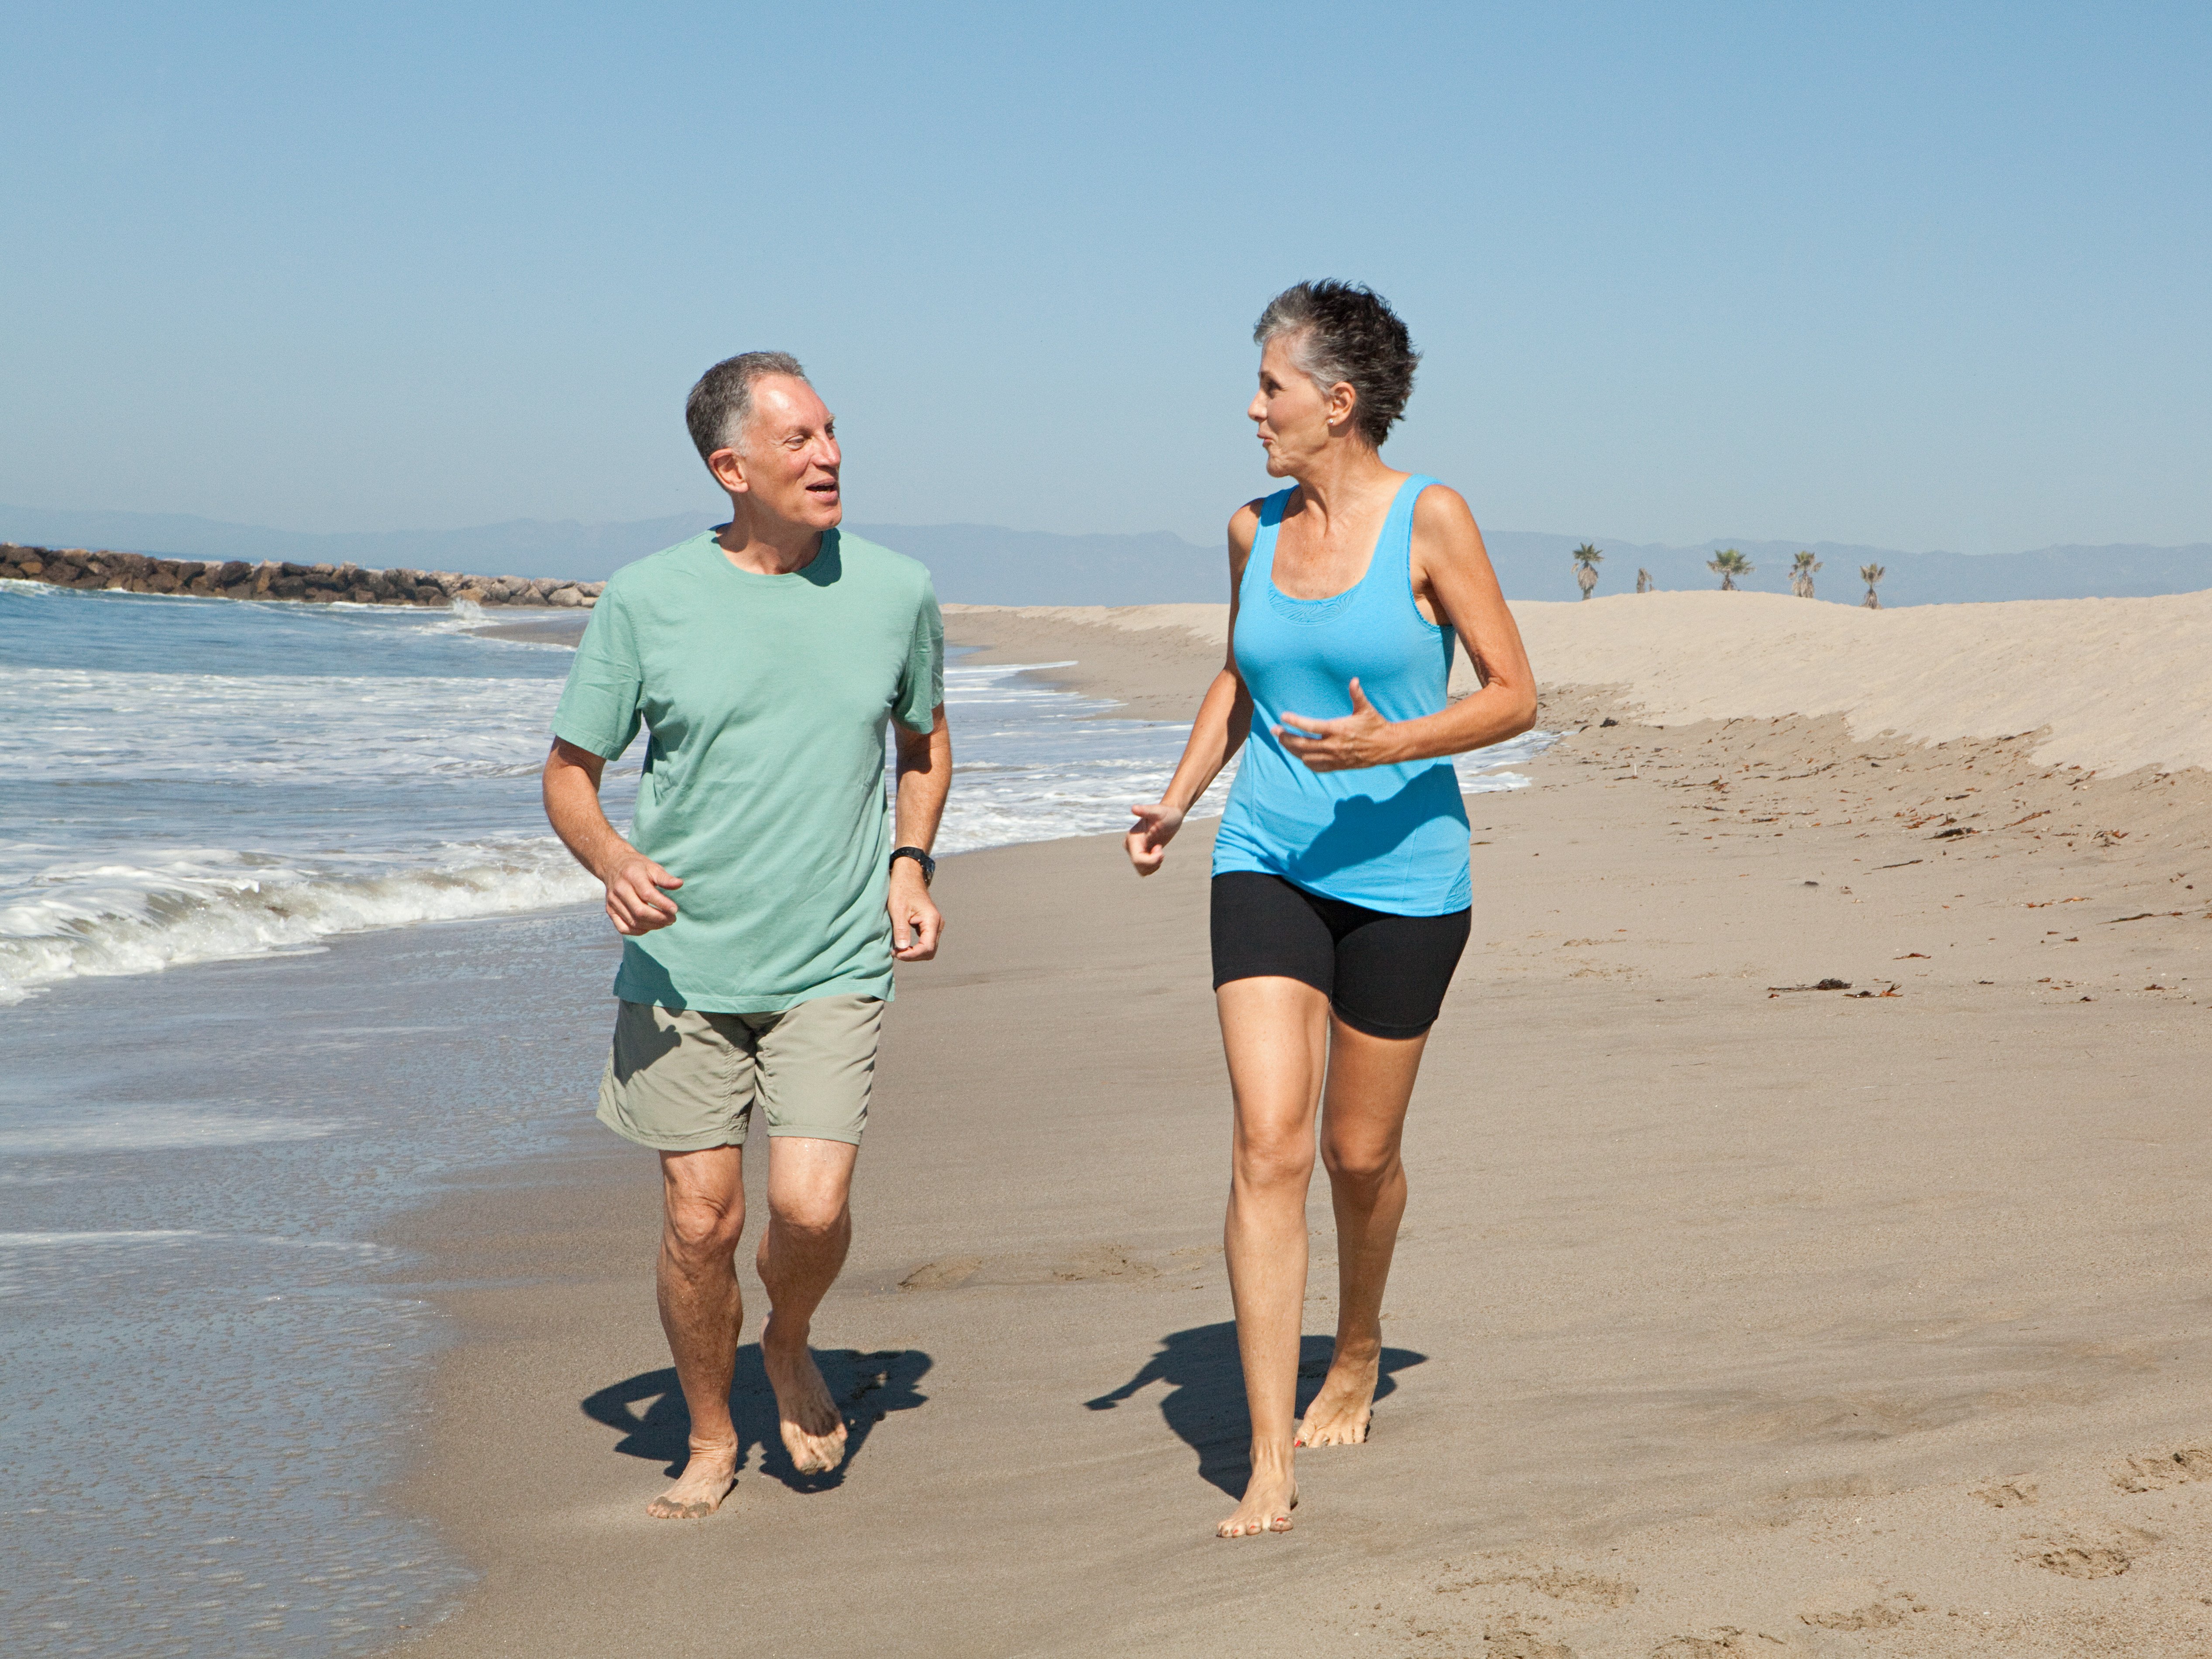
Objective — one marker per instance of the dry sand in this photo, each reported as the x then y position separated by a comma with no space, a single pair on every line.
1730,1317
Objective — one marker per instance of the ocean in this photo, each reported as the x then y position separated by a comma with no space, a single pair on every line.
277,912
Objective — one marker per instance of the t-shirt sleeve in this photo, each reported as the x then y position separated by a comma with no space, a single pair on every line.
921,687
599,706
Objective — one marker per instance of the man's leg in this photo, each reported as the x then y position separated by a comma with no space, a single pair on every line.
703,1213
818,1066
810,1227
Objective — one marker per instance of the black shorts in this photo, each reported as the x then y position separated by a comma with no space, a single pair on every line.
1383,975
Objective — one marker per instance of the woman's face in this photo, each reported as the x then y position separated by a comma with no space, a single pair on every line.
1292,416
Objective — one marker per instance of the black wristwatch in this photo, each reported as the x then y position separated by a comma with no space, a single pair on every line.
928,864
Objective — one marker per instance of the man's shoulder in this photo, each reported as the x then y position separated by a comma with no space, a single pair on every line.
874,563
672,565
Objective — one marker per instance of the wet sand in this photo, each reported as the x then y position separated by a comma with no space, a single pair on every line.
1731,1316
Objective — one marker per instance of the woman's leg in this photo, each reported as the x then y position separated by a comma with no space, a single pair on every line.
1370,1080
1275,1031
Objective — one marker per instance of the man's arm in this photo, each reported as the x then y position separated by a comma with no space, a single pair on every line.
924,776
635,903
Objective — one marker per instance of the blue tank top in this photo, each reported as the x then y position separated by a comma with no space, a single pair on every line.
1391,838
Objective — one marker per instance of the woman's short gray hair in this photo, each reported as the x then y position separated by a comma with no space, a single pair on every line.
1343,333
722,402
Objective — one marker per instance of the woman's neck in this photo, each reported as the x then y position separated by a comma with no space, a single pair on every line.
1340,478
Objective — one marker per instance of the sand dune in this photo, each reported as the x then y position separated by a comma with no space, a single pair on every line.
2114,684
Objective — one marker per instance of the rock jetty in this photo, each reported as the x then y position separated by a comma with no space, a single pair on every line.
309,584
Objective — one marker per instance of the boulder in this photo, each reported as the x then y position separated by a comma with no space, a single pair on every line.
568,597
32,567
231,572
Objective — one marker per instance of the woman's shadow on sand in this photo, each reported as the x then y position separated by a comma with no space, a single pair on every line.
867,1386
1205,1402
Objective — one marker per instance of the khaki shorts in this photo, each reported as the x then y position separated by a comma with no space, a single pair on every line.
681,1080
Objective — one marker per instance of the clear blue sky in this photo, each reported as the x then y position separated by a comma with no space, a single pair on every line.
1912,275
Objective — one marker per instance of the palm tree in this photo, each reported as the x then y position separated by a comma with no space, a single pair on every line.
1801,574
1871,574
1730,564
1643,579
1587,559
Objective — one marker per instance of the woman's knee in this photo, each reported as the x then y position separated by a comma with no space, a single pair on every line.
1359,1162
1274,1160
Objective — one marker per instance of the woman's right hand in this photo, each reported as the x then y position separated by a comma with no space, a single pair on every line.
1148,838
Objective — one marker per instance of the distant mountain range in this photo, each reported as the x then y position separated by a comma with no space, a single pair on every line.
982,564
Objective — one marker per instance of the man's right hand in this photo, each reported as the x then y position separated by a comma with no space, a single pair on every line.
635,903
1148,838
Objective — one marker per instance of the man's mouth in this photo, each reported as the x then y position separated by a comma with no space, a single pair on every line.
826,489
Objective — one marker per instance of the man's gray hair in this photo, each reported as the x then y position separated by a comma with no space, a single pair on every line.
722,402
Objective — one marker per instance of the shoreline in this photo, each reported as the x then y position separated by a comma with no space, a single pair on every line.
98,570
1728,1312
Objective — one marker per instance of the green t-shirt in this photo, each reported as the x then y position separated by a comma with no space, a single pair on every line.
763,788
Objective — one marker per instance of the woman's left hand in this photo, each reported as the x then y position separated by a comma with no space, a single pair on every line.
1362,738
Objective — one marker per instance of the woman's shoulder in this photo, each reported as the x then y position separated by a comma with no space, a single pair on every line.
1440,507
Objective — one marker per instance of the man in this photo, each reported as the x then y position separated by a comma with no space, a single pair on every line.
765,899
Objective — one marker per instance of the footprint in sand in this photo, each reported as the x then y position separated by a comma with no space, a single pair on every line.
1875,1615
2009,1494
2170,1469
1106,1261
2078,1560
1727,1642
941,1275
1521,1644
1560,1584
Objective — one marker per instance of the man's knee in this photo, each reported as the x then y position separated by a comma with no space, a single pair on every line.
813,1214
701,1227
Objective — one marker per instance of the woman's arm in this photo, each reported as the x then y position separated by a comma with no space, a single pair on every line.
1451,569
1224,721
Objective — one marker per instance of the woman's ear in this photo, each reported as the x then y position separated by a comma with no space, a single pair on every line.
1341,404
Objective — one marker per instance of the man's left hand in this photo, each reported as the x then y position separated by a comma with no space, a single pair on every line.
916,923
1360,738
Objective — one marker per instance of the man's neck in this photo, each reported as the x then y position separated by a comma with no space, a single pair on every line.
765,546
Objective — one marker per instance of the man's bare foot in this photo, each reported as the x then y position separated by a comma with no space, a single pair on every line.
1345,1405
699,1491
1268,1500
814,1428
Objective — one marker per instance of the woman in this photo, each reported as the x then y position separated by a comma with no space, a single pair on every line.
1341,890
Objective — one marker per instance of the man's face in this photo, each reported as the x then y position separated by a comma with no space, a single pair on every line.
789,462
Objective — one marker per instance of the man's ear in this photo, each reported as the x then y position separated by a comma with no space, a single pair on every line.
729,470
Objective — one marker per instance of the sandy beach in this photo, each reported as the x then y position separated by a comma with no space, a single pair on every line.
1732,1316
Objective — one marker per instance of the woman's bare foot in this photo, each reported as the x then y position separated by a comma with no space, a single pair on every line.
699,1491
813,1427
1269,1497
1345,1405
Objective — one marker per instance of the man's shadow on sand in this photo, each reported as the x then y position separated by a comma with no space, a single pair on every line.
867,1387
1205,1402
